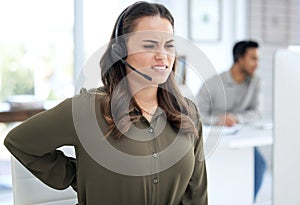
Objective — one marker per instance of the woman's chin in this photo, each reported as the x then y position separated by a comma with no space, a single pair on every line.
159,79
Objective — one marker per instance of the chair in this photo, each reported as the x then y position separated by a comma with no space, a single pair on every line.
27,189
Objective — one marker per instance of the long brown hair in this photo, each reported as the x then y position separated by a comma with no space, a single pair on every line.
113,72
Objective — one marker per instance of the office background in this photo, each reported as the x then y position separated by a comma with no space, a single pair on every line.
46,43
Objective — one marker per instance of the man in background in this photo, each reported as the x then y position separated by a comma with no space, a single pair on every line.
233,97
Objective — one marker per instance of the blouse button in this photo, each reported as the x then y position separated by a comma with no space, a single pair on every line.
155,181
154,155
150,130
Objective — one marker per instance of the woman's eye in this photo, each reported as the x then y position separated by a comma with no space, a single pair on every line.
148,46
170,46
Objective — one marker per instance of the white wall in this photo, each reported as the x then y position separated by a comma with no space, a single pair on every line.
234,15
233,27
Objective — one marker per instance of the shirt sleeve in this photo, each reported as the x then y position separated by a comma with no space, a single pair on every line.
196,192
35,141
254,111
205,106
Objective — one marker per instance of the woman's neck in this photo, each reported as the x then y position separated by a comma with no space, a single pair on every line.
146,98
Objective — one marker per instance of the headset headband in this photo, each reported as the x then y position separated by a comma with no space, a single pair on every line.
121,18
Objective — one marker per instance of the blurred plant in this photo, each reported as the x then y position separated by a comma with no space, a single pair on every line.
15,78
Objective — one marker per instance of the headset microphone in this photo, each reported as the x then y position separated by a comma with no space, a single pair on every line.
135,70
117,57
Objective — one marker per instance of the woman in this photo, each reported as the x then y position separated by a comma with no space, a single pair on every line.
146,147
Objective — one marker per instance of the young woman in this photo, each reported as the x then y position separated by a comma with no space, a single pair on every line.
137,140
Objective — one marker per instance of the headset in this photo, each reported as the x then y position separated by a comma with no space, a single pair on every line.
118,48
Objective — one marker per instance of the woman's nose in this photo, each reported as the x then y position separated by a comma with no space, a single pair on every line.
162,53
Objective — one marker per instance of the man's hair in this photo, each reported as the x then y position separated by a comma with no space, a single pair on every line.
240,48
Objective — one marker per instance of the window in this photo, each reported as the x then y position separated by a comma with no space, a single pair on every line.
36,48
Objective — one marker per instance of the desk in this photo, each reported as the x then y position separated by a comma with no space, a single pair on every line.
18,115
7,115
230,163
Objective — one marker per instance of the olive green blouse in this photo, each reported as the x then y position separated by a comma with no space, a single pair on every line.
150,164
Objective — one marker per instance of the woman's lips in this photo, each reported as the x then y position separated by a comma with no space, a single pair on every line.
159,67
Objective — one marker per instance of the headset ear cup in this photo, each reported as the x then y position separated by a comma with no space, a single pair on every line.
119,51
